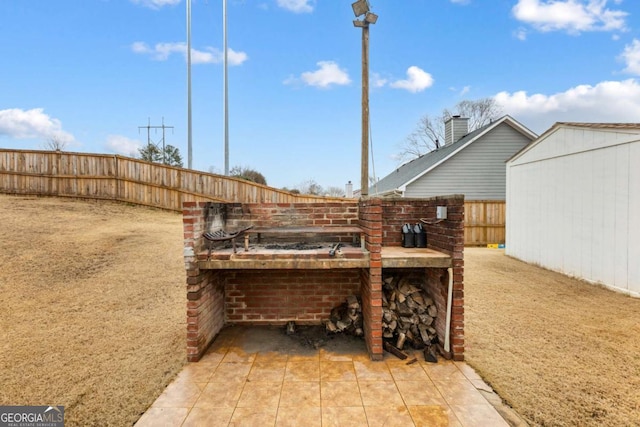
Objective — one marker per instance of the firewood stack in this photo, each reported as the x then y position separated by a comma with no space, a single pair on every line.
408,314
347,318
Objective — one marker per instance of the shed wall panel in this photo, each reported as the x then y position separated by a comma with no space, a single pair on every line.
578,212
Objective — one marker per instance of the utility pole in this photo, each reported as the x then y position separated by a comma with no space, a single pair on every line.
148,127
225,88
362,8
364,167
189,149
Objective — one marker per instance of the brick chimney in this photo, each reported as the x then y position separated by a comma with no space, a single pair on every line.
455,128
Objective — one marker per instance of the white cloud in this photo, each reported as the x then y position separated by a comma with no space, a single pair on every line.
30,124
417,80
631,57
297,6
211,55
609,101
377,80
328,73
122,145
520,34
156,4
573,16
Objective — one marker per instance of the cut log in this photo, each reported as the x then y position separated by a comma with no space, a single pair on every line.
395,351
401,339
430,354
432,311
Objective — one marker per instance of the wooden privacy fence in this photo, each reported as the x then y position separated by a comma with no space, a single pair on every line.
484,222
112,177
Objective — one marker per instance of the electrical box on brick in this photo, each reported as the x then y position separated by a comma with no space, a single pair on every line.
441,212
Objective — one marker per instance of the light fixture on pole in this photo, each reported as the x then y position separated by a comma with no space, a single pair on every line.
362,8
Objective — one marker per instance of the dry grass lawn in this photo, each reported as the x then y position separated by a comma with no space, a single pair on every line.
93,306
560,351
93,318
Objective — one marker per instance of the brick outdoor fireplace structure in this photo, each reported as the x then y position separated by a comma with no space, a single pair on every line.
267,285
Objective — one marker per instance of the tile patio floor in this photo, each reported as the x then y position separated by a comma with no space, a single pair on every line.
239,383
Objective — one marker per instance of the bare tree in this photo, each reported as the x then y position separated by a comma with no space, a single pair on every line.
480,112
310,187
55,143
334,191
429,132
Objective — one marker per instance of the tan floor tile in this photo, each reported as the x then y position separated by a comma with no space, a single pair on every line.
335,356
460,392
344,416
210,417
478,416
337,371
167,417
197,372
386,416
231,372
468,371
404,372
312,356
179,394
302,416
220,395
434,416
212,358
300,394
260,395
236,355
220,345
340,393
271,356
443,370
481,385
302,371
411,354
361,357
268,371
420,393
380,393
372,371
254,417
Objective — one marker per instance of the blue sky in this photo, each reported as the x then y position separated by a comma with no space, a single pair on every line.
91,72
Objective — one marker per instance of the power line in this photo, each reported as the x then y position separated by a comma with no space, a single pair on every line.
148,127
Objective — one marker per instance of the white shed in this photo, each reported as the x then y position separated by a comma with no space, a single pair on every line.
573,203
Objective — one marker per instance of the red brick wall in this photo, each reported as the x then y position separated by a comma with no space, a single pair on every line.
205,291
292,214
278,296
372,224
307,296
444,236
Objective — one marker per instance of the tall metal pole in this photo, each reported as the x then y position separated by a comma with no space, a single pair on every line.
364,181
189,148
226,89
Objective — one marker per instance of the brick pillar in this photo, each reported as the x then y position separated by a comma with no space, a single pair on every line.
370,219
205,289
456,215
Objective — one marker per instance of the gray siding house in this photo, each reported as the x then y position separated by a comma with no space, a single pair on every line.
473,164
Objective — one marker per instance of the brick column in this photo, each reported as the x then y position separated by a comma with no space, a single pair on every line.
370,219
205,289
